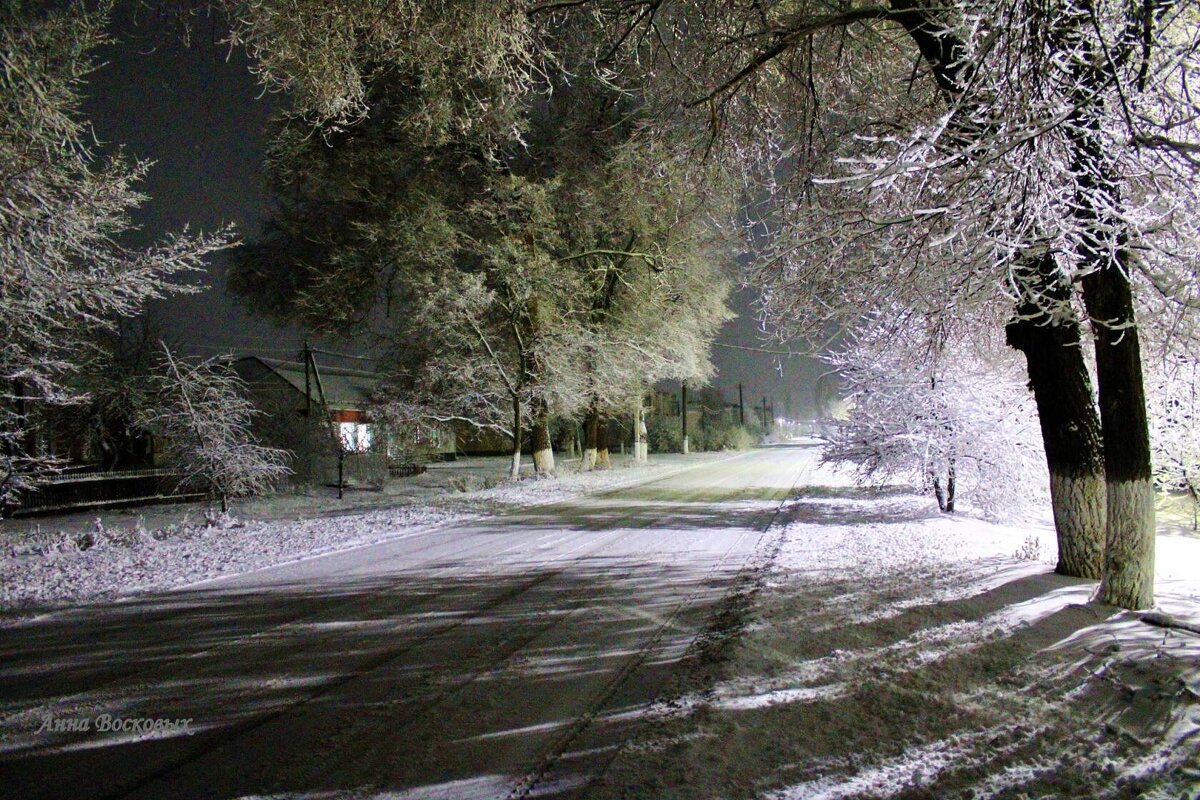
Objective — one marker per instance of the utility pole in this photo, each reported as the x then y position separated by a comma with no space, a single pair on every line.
766,428
683,400
307,381
741,407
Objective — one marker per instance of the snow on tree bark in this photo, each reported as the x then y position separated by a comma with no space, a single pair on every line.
543,450
1102,244
1070,426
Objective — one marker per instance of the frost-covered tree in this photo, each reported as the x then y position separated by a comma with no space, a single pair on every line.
472,60
649,247
581,247
490,347
940,411
64,272
201,413
1174,393
942,150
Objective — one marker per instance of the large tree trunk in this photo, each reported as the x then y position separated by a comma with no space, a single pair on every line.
1105,262
640,448
1129,548
1062,390
602,458
543,448
1129,509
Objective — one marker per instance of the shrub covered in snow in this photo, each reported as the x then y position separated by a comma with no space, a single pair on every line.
941,413
204,417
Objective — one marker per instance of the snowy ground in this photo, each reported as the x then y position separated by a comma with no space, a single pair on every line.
890,652
49,561
477,659
755,628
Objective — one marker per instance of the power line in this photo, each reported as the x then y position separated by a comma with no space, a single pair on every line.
760,350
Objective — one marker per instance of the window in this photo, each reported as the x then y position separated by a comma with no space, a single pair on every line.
355,436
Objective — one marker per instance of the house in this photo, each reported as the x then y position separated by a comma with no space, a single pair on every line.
320,413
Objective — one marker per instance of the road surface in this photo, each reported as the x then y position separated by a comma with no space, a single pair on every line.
510,658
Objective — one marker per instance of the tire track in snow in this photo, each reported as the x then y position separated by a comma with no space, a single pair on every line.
239,729
751,573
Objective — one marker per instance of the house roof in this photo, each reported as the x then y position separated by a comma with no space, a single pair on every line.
345,389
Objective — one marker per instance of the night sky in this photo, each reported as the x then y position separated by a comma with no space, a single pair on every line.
197,112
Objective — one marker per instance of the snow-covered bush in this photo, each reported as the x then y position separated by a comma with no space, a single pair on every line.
1174,405
204,418
947,415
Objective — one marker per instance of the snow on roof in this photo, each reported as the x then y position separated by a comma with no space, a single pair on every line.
345,389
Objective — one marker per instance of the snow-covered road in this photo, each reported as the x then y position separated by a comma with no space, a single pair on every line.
507,658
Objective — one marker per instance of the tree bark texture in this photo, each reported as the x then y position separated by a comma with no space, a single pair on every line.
591,438
1129,546
1071,435
1126,488
602,458
1108,296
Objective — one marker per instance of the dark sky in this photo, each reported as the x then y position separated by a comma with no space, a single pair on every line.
198,113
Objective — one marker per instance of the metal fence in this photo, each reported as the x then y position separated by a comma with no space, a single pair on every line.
353,470
77,491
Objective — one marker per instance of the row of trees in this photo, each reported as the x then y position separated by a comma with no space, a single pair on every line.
528,190
1024,166
1012,165
520,253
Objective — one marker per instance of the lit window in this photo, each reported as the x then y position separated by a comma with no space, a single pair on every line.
355,436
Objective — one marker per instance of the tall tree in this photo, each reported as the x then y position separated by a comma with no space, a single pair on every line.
1046,148
64,272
